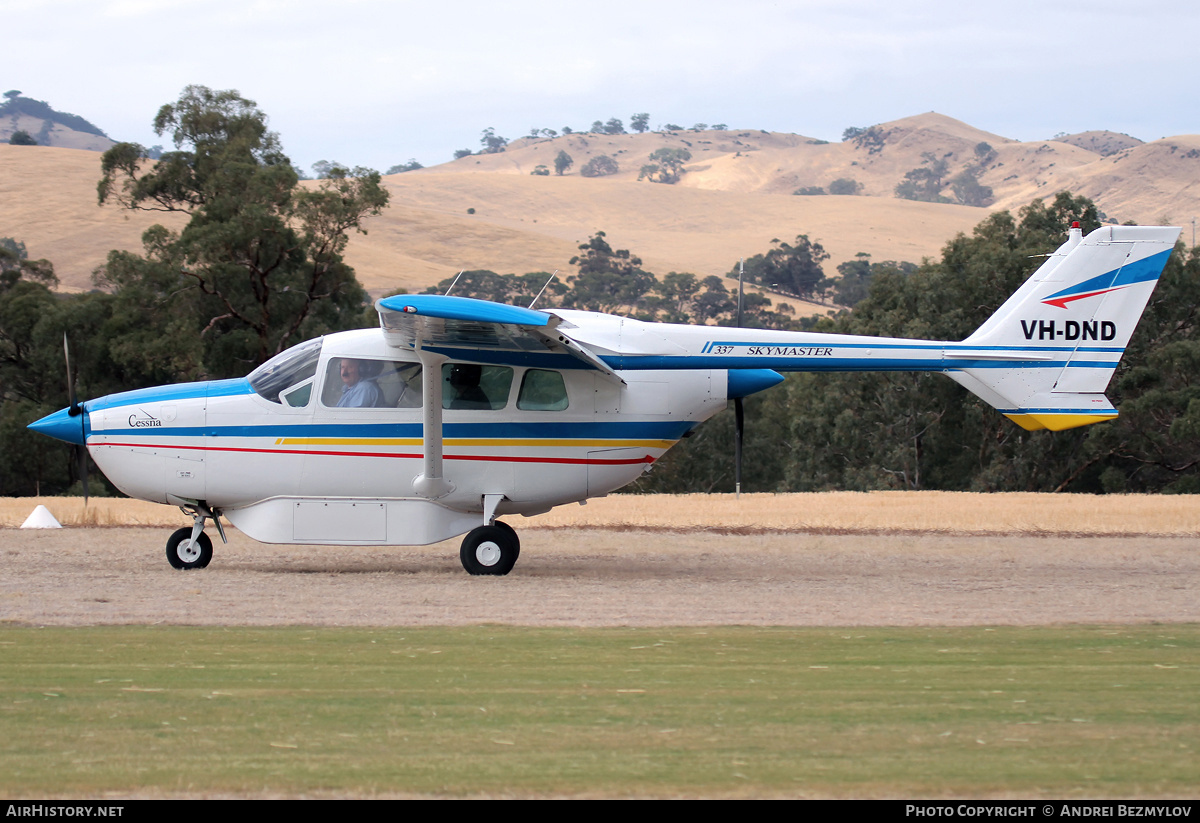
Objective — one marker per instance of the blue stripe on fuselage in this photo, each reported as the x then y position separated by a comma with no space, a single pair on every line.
672,430
842,364
179,391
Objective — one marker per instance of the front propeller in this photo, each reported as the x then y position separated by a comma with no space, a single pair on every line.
76,409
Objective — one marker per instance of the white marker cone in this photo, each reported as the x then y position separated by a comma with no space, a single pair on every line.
41,518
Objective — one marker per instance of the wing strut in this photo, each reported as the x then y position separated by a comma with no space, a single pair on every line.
430,482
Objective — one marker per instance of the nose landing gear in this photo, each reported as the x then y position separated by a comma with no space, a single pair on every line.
189,547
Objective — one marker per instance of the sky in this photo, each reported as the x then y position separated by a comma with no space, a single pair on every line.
375,83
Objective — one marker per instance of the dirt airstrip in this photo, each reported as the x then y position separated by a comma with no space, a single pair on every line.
587,576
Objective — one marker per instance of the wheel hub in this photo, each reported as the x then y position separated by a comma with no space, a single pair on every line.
188,551
487,553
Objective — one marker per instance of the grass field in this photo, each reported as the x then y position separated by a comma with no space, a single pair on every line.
499,711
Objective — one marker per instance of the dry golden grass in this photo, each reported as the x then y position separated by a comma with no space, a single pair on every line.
848,512
933,511
99,511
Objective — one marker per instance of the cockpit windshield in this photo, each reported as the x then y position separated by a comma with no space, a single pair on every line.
288,368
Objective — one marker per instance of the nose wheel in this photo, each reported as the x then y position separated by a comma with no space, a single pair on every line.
190,547
490,549
185,552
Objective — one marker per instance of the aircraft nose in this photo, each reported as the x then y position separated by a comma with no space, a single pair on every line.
62,426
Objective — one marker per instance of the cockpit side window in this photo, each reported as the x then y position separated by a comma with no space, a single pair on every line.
288,368
359,383
542,390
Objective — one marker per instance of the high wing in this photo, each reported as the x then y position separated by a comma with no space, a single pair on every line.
476,330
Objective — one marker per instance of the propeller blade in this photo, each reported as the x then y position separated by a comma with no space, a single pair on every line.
70,382
81,455
83,470
739,429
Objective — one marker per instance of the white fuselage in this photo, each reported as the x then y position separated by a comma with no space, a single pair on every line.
299,468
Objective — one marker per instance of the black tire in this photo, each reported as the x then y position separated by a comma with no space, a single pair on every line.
182,555
488,550
512,533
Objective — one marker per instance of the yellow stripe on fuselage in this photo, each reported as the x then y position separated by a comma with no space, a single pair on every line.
547,443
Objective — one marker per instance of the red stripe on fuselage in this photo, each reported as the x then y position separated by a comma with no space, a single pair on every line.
489,458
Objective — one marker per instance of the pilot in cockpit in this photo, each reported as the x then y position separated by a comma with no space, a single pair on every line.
357,392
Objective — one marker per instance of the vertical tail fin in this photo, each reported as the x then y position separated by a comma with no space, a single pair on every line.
1047,355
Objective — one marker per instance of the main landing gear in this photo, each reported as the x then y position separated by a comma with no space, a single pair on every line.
490,549
190,547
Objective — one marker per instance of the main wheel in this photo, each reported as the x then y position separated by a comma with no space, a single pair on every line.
512,533
489,550
185,553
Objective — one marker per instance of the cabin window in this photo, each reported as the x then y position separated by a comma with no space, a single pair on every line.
298,396
542,390
472,386
359,383
288,368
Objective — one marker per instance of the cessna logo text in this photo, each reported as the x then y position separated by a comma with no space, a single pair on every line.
1069,329
143,421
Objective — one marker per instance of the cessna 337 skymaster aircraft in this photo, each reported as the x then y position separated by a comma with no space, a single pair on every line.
458,410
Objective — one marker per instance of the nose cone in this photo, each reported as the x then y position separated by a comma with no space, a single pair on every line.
62,426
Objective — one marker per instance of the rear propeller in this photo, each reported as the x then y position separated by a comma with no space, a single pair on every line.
76,410
739,429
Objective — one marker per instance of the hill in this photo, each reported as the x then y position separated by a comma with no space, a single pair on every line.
48,126
735,197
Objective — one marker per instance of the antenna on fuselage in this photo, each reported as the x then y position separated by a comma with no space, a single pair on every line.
741,276
455,283
547,283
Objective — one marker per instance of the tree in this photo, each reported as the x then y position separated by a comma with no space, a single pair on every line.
562,162
608,280
540,170
614,126
323,169
855,282
259,264
600,166
492,143
968,190
20,137
845,185
788,268
925,183
872,139
640,122
459,154
666,164
411,165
